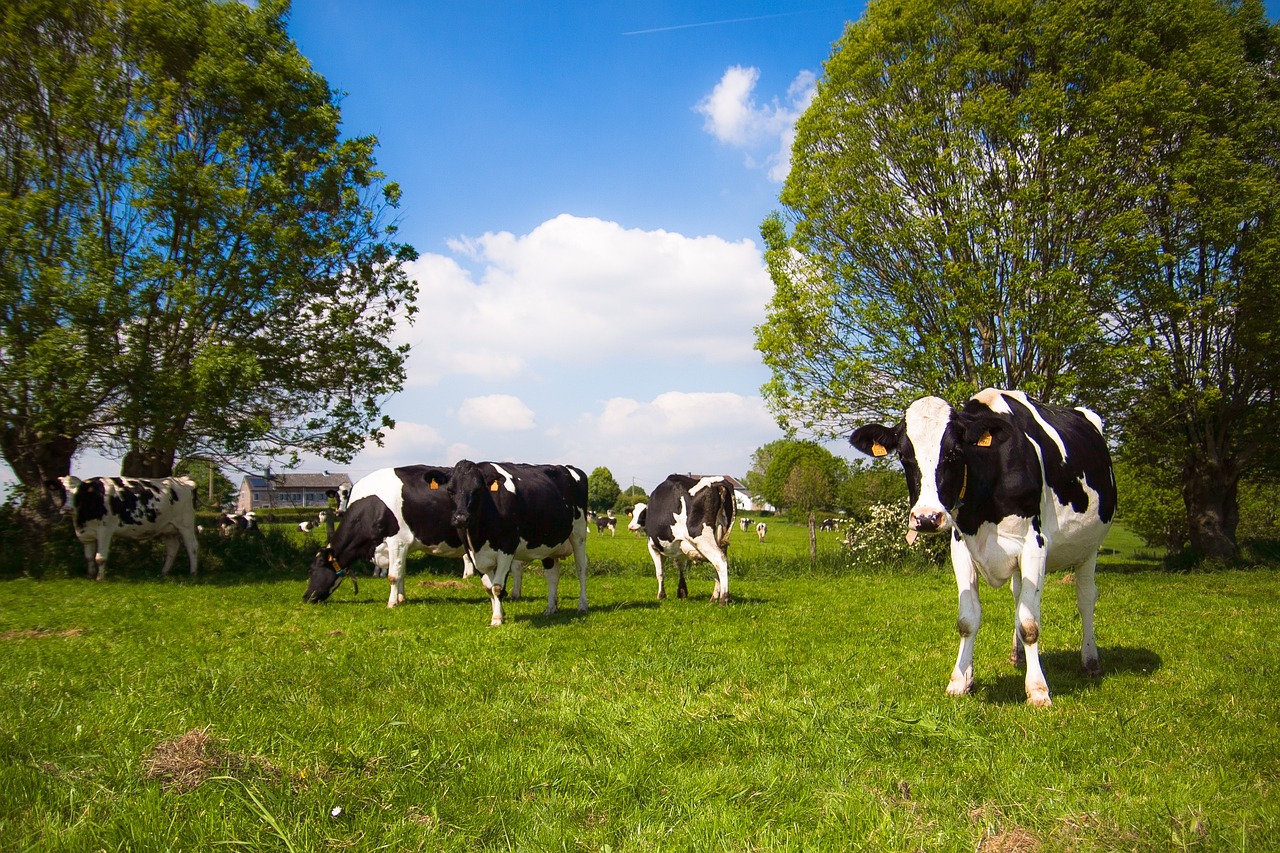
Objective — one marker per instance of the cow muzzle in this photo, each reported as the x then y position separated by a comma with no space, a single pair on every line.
927,521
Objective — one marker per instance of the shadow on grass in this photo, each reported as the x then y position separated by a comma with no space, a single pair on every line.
1064,674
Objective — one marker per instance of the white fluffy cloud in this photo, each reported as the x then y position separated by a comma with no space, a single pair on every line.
763,131
577,290
495,412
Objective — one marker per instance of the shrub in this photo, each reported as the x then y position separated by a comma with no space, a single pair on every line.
880,541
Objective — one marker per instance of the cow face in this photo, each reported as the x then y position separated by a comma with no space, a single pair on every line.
62,492
466,490
324,578
929,446
637,517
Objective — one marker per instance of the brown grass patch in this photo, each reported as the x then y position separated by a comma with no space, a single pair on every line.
443,584
39,634
1016,840
189,761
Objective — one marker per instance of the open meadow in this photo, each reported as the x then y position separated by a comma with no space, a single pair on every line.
810,714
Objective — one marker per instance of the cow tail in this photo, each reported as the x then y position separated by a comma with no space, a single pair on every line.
726,511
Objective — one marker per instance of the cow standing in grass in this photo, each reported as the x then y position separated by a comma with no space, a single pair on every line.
130,507
689,518
1025,489
508,512
386,515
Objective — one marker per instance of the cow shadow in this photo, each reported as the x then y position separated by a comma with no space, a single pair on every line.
1064,674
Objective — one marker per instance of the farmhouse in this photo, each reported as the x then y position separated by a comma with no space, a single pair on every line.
288,490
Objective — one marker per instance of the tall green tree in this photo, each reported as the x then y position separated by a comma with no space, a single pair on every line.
822,472
602,489
1069,198
201,266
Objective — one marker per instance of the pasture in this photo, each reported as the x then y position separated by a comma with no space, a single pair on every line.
807,715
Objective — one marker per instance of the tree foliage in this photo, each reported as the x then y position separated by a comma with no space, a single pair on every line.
802,475
191,258
1075,199
602,490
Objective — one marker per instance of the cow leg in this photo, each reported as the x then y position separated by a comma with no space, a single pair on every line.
193,549
721,591
656,556
90,558
1033,569
969,620
580,563
1018,656
100,556
381,561
171,545
468,566
553,586
494,584
1086,597
396,552
515,588
682,591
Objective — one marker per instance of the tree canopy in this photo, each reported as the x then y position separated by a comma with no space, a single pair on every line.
192,259
1074,199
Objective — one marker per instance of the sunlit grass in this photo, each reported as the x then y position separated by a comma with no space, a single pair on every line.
809,714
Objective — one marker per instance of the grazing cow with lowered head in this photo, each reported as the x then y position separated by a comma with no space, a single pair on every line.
689,518
508,512
130,507
1024,488
387,514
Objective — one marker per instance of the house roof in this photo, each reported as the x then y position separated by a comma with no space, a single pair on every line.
299,481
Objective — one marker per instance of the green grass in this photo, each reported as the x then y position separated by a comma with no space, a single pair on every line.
808,715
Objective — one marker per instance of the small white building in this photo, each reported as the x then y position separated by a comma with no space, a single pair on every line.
287,490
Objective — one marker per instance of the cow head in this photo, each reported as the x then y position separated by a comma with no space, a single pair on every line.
637,517
928,444
62,492
467,488
325,577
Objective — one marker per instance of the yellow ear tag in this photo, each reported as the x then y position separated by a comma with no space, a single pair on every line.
434,484
878,449
494,487
985,441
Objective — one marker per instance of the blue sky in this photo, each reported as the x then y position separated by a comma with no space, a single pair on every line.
584,183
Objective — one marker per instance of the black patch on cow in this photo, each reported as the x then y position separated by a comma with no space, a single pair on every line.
710,506
428,511
541,510
366,524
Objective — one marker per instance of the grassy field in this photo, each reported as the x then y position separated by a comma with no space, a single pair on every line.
142,714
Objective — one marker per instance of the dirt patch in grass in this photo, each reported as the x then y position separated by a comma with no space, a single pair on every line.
443,584
39,634
187,762
1016,840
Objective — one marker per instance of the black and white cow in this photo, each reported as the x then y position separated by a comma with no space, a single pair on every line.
761,530
387,514
508,512
1025,488
607,522
689,518
130,507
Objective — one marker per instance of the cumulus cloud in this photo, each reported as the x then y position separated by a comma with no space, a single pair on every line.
764,131
495,412
505,307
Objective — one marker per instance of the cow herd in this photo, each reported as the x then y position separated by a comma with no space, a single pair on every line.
1021,488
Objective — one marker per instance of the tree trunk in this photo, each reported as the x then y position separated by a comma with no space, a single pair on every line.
813,542
147,462
1209,492
36,459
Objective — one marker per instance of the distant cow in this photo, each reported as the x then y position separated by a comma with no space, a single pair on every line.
607,522
237,522
131,507
510,512
827,524
744,523
761,529
1026,487
688,518
321,521
388,513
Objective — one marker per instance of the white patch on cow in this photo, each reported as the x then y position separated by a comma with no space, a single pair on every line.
509,482
927,420
705,483
993,399
1092,417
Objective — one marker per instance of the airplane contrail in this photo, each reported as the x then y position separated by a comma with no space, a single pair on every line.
711,23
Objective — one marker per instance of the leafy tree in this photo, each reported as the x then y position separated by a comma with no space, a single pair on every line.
191,259
987,195
814,487
602,490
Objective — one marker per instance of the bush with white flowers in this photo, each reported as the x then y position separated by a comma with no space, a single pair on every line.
880,542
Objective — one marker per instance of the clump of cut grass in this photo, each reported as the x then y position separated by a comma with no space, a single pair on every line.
187,762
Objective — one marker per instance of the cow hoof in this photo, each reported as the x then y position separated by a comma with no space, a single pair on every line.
1039,700
495,623
550,611
959,685
1092,667
661,595
682,594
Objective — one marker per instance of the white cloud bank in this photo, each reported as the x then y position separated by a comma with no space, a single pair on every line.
735,118
575,291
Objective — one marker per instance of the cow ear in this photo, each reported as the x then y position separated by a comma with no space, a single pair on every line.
876,439
986,432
